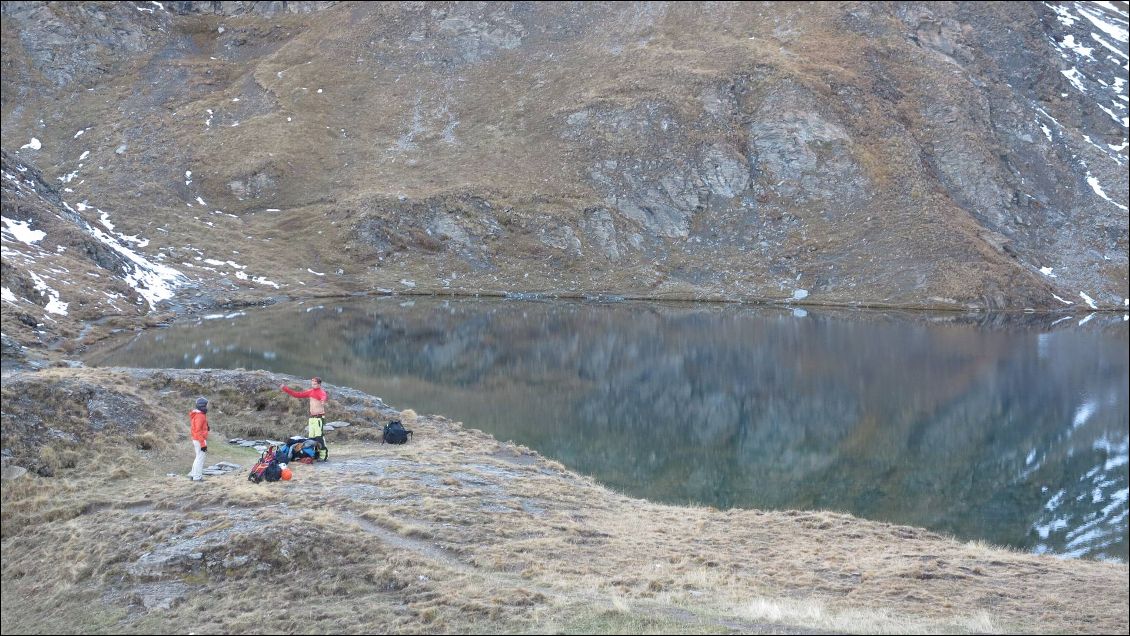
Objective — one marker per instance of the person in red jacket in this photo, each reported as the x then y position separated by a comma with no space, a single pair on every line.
315,426
198,417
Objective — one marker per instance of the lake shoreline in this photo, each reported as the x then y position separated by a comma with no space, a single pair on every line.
472,522
775,409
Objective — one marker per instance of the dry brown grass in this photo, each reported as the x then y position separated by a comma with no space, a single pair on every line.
456,532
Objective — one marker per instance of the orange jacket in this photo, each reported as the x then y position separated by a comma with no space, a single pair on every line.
199,426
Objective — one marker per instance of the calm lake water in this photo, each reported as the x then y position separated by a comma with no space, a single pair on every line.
1009,429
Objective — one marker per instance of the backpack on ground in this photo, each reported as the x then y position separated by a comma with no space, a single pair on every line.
273,472
395,433
312,447
260,470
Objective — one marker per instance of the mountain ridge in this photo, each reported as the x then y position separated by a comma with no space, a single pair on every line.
905,155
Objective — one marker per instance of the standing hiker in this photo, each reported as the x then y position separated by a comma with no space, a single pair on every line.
316,424
198,417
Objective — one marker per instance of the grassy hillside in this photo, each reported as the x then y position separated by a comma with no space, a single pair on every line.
948,156
453,532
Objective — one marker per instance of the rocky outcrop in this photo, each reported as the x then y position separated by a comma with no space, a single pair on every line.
801,156
248,8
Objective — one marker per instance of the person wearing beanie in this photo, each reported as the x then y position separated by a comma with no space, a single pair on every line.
198,418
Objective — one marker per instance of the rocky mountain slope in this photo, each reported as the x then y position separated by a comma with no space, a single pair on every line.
158,155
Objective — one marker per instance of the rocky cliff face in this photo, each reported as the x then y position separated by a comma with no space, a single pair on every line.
926,155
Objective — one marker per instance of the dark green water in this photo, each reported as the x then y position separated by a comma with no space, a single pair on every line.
1008,429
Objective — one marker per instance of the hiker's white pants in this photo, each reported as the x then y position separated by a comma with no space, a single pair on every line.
198,464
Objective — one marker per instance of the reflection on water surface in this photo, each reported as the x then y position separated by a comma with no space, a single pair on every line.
1011,430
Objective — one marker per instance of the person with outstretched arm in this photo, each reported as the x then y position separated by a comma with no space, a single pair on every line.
315,426
198,418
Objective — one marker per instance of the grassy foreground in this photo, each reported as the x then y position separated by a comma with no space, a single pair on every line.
453,532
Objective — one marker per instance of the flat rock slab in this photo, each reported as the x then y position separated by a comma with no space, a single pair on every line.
221,468
13,472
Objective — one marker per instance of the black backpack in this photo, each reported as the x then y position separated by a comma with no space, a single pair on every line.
395,433
273,472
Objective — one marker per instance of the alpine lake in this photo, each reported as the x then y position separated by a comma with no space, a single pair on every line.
1011,429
